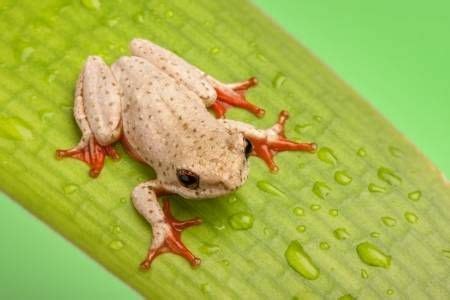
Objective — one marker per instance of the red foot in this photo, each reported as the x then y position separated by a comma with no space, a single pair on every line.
173,241
267,148
93,154
235,96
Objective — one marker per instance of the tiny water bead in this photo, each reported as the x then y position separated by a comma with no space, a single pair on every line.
372,256
91,4
375,234
116,245
373,188
411,217
396,152
342,177
321,189
324,246
116,229
317,118
300,261
341,234
70,189
232,199
205,288
302,128
241,221
298,211
169,14
214,50
388,176
415,195
267,187
390,292
347,297
334,212
364,274
261,57
26,53
326,155
278,80
301,228
389,221
12,128
225,262
209,249
315,207
361,152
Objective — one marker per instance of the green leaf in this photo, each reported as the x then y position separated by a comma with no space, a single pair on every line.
367,182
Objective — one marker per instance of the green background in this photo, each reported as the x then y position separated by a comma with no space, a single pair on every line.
394,54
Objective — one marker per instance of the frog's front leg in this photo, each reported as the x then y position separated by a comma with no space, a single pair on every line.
97,113
166,229
215,94
267,143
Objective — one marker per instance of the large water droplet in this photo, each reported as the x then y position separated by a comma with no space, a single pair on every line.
91,4
373,188
341,233
372,256
241,221
209,249
342,177
411,217
334,212
388,176
298,211
324,246
415,196
116,245
326,155
14,129
278,80
364,274
301,228
347,297
300,261
70,189
321,189
389,221
361,152
269,188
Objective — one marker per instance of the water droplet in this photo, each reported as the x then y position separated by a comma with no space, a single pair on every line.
361,152
411,217
364,274
300,261
219,226
225,262
302,128
321,189
214,50
390,292
204,287
342,177
91,4
112,22
298,211
389,221
269,188
373,188
268,231
241,221
26,53
388,176
14,129
278,80
116,245
395,151
372,256
123,200
317,118
324,246
315,207
326,155
301,228
347,297
46,116
139,18
446,253
116,229
209,249
169,14
261,57
375,234
334,212
70,189
415,196
232,199
341,234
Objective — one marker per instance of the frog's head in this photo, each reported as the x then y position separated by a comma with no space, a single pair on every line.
216,165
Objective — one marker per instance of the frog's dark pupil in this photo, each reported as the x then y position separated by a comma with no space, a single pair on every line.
248,148
188,178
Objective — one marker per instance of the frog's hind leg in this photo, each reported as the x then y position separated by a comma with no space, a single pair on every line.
97,113
229,95
166,229
267,143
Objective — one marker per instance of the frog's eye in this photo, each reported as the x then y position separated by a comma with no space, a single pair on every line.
248,148
188,178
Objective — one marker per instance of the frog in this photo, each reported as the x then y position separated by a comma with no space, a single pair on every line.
157,105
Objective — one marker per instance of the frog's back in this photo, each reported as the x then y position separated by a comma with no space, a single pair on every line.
162,119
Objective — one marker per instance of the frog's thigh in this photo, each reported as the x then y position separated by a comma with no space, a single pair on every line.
101,99
80,115
176,67
244,128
